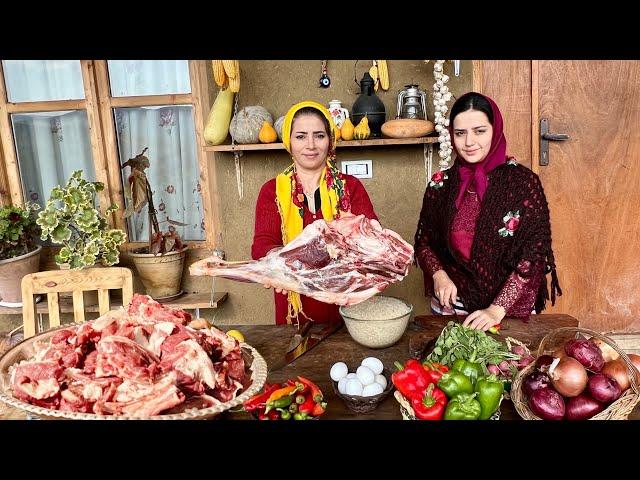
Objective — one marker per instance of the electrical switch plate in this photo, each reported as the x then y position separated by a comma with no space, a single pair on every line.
358,168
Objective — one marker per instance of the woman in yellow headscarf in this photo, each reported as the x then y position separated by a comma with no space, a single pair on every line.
311,188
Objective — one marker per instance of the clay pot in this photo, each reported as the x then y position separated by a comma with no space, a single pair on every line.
161,275
11,272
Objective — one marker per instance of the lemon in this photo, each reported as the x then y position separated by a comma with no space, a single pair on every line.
236,334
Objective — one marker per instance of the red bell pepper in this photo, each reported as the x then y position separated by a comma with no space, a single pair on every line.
316,393
260,400
432,405
411,379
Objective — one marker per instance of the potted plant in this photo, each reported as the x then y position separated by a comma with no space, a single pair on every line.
19,253
71,219
161,262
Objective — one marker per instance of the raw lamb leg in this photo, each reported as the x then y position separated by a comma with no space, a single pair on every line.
343,262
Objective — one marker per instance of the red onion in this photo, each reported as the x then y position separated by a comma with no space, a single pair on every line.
525,360
535,381
635,359
586,352
604,388
617,370
543,362
493,369
547,404
583,407
568,376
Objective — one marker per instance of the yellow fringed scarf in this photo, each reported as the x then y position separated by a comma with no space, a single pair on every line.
290,215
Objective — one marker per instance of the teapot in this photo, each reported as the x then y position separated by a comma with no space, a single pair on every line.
412,103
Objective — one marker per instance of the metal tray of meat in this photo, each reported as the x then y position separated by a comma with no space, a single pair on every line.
25,350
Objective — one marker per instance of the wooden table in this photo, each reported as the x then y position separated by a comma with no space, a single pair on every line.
271,342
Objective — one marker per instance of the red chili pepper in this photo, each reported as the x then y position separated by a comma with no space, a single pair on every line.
308,405
319,409
434,371
260,399
436,366
316,393
274,415
432,405
411,379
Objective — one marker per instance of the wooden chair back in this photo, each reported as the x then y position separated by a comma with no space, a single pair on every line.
53,282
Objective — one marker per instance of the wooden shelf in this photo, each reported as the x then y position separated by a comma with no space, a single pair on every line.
341,144
186,301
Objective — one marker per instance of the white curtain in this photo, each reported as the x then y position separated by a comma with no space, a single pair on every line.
169,134
51,145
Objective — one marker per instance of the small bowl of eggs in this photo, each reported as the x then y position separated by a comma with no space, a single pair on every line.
363,389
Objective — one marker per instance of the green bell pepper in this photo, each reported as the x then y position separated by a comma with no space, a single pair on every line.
453,383
470,368
463,407
489,390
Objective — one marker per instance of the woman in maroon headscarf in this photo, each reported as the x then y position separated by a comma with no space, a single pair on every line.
484,236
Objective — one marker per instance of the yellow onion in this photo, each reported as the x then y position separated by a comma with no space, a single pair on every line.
568,376
608,353
617,370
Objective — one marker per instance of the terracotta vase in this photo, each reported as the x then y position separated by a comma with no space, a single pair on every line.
161,275
11,272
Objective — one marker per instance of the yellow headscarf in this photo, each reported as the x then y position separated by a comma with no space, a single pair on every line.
290,213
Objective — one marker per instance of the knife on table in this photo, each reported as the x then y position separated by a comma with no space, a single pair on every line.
308,342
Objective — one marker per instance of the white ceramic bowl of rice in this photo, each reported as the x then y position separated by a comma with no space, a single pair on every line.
378,322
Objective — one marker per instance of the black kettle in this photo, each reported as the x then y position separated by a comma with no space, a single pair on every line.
370,105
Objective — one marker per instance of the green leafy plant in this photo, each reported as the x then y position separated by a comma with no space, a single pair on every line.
71,219
18,230
138,193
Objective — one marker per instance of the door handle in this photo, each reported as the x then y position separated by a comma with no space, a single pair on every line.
545,138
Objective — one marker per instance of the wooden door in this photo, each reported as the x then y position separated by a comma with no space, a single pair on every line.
592,184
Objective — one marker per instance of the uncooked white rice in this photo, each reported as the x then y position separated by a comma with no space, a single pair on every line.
377,308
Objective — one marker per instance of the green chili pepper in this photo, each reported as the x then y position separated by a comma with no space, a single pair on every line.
489,390
453,383
280,403
284,414
299,416
463,407
293,408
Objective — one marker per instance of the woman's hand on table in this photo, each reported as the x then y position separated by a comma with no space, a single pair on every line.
486,318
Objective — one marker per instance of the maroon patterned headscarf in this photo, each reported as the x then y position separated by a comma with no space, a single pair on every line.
475,174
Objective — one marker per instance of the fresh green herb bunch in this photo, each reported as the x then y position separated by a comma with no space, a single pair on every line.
18,230
71,219
457,341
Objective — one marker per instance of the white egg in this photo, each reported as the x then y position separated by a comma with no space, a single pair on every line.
338,370
371,390
381,380
342,385
351,375
353,387
365,375
374,364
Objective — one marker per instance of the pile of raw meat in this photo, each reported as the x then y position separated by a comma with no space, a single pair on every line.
137,361
343,262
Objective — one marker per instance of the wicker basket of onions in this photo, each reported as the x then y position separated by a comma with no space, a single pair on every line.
586,377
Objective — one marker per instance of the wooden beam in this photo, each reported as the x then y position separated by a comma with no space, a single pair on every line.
152,100
47,106
95,132
535,117
11,169
5,196
199,73
477,76
112,158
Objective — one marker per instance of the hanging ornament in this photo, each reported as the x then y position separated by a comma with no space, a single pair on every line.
325,81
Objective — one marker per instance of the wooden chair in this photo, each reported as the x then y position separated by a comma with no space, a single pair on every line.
77,281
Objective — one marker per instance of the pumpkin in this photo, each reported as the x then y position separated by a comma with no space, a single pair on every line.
217,126
338,134
407,128
278,126
346,132
246,124
267,133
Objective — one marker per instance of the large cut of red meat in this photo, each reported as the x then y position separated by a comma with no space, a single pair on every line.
343,262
